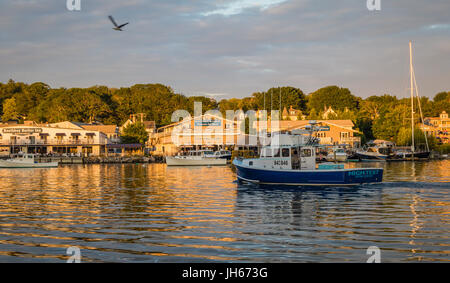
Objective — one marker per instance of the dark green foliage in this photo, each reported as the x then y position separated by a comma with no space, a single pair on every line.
134,133
336,97
290,96
379,117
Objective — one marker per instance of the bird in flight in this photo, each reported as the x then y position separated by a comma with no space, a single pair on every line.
116,27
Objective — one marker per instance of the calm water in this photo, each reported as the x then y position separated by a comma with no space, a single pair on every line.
151,213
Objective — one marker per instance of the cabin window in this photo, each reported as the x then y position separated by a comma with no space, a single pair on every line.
285,152
306,153
250,163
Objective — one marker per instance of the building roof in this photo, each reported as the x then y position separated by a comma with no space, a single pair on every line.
291,112
300,123
293,125
106,129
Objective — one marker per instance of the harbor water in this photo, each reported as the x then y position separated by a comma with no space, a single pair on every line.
155,213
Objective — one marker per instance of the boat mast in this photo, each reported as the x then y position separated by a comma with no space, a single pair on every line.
420,110
412,98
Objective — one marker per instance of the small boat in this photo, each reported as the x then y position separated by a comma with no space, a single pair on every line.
223,154
337,155
291,160
196,158
26,161
373,153
407,155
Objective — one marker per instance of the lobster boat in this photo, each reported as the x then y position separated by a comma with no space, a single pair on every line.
291,160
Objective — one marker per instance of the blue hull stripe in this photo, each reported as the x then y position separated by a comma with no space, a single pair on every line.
311,177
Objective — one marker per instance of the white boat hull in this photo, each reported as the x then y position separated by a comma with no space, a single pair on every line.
176,161
339,157
18,164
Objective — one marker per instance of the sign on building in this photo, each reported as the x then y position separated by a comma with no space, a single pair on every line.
22,131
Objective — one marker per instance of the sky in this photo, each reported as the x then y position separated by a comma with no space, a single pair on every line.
228,48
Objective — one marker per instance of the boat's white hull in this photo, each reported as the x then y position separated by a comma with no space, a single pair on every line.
175,161
15,164
339,157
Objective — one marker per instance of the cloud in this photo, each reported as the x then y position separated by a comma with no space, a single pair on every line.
236,7
249,46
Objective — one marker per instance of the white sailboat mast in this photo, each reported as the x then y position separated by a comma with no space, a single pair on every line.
412,97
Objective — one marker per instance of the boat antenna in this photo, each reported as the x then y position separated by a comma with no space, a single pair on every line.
281,114
271,102
264,93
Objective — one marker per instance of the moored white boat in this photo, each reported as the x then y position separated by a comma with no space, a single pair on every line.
196,158
26,161
337,154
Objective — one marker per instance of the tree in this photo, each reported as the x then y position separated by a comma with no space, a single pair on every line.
313,115
290,96
134,133
404,138
390,121
441,96
336,97
10,110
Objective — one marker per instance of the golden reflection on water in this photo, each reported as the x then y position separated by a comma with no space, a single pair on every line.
135,212
94,194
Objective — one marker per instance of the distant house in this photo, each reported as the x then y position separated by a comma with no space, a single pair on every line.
292,114
438,127
327,112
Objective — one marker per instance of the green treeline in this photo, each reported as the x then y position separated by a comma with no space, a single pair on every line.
383,117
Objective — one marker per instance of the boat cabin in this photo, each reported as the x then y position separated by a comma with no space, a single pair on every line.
200,153
286,152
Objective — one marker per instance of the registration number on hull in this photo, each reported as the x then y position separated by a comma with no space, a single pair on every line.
280,162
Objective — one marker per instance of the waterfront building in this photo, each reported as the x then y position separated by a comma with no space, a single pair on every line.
333,132
438,127
206,131
58,138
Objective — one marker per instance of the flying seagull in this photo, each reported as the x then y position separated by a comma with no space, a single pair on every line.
116,27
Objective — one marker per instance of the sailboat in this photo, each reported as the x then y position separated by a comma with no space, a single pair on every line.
413,88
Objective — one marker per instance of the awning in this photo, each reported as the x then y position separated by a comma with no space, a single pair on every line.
60,134
75,134
44,134
90,134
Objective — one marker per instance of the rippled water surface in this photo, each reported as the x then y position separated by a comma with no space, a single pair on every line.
151,213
